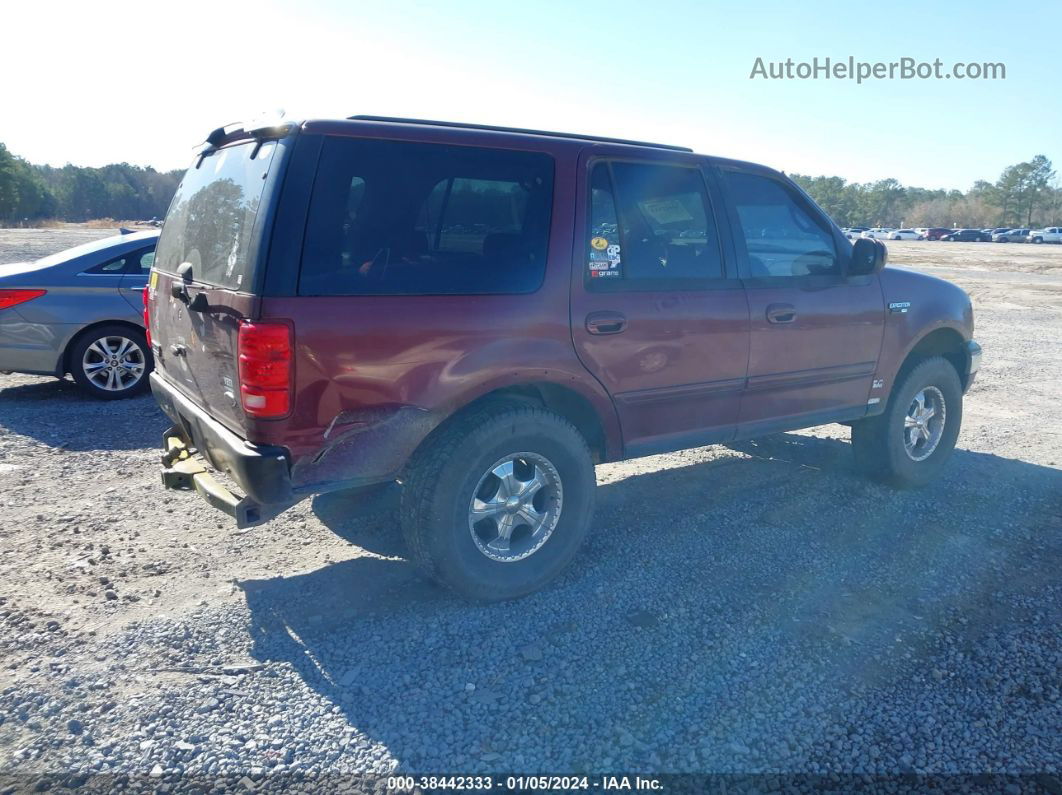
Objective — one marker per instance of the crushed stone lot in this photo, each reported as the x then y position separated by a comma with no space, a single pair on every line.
745,608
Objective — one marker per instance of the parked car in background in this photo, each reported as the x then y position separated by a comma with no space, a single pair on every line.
1050,234
81,312
1012,236
852,232
967,236
1000,230
935,232
878,233
317,350
904,234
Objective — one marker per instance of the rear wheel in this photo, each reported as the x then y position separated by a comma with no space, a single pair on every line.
111,362
909,443
497,504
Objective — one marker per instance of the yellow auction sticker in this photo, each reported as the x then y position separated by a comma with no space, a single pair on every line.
599,243
154,279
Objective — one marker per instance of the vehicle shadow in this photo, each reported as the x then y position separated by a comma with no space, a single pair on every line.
706,597
55,412
367,517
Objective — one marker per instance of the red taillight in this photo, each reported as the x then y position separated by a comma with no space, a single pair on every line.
147,325
9,298
264,352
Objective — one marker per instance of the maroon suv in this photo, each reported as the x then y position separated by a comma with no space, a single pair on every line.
482,314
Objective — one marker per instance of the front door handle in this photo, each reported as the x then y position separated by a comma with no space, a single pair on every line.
781,313
605,322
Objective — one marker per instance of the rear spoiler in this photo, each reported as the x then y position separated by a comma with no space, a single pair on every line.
260,129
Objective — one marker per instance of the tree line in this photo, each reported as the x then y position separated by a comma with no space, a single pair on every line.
31,193
1023,196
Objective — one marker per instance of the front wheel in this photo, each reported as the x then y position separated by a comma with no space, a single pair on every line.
495,505
1038,240
909,443
111,362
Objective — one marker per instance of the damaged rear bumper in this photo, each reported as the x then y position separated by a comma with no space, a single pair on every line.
262,472
183,472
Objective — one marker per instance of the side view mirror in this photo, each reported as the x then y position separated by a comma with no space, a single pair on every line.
868,257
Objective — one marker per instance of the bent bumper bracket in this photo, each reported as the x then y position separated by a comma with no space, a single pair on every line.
183,473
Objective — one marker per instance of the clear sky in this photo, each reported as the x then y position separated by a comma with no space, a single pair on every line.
105,81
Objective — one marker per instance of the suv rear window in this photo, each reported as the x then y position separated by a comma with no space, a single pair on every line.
212,215
397,218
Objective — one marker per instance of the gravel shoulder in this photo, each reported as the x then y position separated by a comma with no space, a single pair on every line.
748,608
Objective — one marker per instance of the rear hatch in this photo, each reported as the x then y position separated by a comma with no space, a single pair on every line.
207,271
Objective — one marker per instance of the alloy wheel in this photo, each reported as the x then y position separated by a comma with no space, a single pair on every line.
923,425
515,507
114,364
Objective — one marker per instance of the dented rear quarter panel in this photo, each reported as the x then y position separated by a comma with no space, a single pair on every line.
374,374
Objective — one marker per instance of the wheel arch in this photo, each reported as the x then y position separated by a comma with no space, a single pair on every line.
600,433
64,360
944,341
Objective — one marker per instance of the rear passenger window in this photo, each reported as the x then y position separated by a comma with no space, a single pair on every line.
649,225
395,218
112,266
782,238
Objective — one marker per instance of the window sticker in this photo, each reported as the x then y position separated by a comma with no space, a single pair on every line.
605,263
665,211
599,243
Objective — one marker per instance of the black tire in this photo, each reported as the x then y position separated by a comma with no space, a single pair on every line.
878,443
443,476
1038,240
84,355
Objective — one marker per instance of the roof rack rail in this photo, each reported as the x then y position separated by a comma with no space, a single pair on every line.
521,130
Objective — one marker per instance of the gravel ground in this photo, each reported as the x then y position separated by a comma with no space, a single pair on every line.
747,608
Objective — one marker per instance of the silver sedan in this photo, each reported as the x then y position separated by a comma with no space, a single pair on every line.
81,312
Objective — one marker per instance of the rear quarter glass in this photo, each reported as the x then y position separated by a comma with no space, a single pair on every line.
393,217
211,220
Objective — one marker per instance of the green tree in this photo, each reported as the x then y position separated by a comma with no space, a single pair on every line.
23,194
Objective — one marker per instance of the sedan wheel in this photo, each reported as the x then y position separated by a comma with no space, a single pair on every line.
112,362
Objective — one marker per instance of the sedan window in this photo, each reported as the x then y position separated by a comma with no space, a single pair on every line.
117,265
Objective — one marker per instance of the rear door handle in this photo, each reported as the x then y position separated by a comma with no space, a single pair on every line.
605,322
781,313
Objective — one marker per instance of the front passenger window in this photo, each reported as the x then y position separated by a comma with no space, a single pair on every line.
782,238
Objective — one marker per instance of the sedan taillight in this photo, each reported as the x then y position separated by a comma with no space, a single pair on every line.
13,297
147,325
264,354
